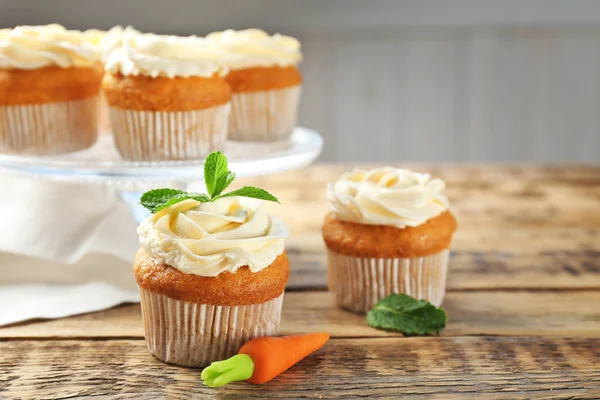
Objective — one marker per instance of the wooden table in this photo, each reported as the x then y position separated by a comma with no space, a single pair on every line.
523,300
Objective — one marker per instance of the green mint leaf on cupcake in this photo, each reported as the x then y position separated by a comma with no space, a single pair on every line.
201,197
156,198
216,174
403,313
217,178
254,192
223,182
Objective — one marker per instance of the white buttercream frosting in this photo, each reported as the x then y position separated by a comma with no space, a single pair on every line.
207,239
107,41
256,48
152,55
31,47
387,196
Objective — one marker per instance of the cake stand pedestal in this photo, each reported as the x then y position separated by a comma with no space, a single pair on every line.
102,165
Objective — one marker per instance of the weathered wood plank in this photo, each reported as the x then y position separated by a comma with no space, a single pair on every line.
492,196
569,313
520,226
469,175
488,268
448,368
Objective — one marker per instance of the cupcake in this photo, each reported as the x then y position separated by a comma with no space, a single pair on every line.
211,275
389,231
105,42
167,98
265,83
49,83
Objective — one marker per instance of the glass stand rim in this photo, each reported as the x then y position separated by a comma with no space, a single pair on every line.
102,165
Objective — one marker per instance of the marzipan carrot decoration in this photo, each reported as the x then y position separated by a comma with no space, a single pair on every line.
262,359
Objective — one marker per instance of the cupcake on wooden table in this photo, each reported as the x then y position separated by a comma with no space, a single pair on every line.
389,231
211,269
166,97
49,83
265,81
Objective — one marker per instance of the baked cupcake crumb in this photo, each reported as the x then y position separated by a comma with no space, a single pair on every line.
240,288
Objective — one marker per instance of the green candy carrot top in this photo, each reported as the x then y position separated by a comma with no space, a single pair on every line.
262,359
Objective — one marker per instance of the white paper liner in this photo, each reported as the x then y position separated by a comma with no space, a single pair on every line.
195,335
103,115
175,135
265,115
49,128
359,283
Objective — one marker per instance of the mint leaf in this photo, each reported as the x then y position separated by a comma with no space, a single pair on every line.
157,197
253,192
223,182
217,178
403,313
202,198
215,167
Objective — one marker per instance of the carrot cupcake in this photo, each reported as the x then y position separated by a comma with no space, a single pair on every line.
212,272
265,81
49,83
105,42
166,97
389,232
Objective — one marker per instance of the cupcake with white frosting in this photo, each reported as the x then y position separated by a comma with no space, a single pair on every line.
211,273
105,42
167,98
265,83
389,231
49,85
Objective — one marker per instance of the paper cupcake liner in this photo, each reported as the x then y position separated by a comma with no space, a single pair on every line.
359,283
49,128
176,135
194,335
266,115
103,116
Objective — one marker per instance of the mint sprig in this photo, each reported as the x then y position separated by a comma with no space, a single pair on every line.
254,192
403,313
216,174
217,178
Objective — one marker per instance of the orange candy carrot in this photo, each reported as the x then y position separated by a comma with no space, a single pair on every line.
262,359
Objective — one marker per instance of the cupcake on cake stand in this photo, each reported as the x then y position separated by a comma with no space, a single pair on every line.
102,164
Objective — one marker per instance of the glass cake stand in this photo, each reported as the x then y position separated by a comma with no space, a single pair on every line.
101,164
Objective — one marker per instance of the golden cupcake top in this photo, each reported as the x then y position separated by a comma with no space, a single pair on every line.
256,48
207,234
32,47
387,196
147,54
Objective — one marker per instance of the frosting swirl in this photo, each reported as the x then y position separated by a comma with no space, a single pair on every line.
256,48
31,47
387,196
207,239
107,41
152,55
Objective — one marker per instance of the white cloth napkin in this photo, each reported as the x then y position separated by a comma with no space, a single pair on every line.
65,248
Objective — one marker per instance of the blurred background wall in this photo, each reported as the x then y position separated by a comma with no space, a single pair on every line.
407,80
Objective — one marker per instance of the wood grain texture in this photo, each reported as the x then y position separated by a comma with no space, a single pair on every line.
419,368
524,289
543,313
478,270
519,226
495,197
